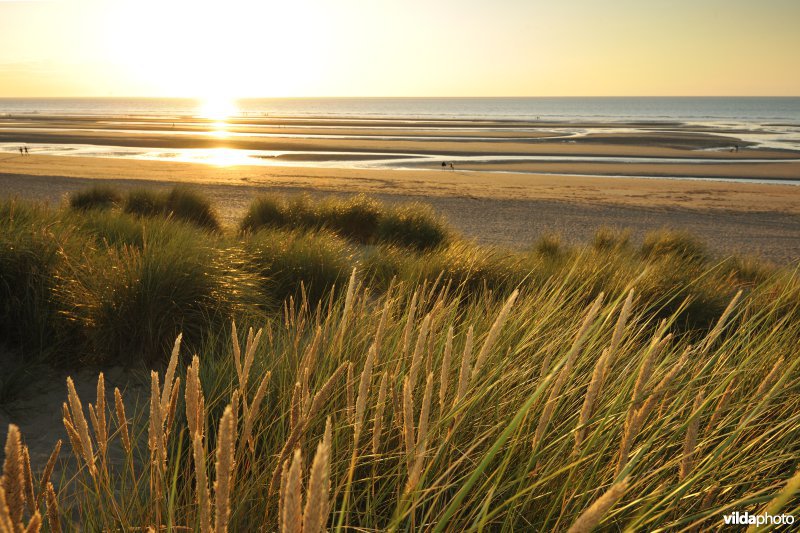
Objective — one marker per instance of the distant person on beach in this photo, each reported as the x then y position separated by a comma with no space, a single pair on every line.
452,167
444,165
20,151
26,150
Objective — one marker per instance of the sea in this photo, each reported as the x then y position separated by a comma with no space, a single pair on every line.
716,110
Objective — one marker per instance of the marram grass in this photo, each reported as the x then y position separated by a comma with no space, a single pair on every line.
385,388
672,437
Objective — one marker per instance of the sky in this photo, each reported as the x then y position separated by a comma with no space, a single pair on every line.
299,48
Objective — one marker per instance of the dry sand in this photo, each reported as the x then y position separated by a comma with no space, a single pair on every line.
506,208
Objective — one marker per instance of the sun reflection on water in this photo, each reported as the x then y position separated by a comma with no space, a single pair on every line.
219,110
225,157
220,130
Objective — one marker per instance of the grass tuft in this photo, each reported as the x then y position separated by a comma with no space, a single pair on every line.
674,243
97,197
179,203
358,219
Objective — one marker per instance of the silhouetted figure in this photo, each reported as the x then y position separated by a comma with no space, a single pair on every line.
444,165
26,150
452,167
20,151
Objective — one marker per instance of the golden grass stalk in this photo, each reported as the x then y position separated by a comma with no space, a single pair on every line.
642,379
99,418
6,523
51,505
661,389
720,325
315,515
348,307
309,360
566,370
351,289
425,412
397,403
27,477
444,375
645,373
295,406
408,420
252,413
237,351
13,475
381,331
80,426
316,405
172,406
419,350
592,392
690,441
226,444
74,439
722,405
622,322
591,517
169,377
195,408
412,311
466,365
122,421
363,394
282,493
48,471
775,506
422,437
201,477
494,333
249,357
157,447
349,386
770,379
155,440
292,498
379,406
636,417
436,316
305,394
35,523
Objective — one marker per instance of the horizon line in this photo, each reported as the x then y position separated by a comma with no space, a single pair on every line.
405,97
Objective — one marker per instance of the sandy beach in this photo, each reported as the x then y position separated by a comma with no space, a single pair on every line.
511,180
495,208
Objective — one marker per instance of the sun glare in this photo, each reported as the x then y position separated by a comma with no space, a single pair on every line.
218,108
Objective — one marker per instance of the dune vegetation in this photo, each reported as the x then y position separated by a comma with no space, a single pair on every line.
388,374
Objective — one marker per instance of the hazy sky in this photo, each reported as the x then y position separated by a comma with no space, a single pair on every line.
229,48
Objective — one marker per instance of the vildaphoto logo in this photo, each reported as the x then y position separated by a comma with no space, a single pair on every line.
746,519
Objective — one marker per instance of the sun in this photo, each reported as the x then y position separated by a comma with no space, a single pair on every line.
217,108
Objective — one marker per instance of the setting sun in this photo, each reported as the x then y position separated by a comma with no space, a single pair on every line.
218,108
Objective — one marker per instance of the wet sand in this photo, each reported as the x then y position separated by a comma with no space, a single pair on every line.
494,208
464,138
